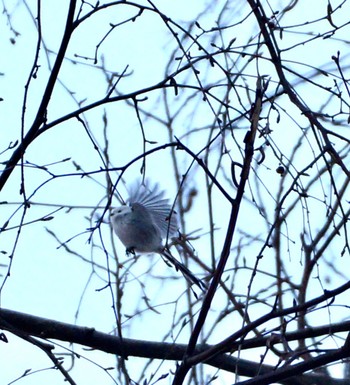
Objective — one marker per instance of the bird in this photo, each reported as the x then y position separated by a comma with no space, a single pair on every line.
145,221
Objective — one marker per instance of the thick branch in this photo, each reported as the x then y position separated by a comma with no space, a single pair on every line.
41,114
50,329
225,253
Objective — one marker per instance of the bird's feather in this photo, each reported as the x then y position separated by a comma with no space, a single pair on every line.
158,207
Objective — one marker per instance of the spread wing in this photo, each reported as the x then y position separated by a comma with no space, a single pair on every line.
158,207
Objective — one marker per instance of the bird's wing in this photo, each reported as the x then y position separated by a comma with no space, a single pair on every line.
157,206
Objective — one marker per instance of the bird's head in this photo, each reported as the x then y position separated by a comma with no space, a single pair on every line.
120,212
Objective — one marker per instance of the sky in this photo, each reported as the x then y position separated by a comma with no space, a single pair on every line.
50,282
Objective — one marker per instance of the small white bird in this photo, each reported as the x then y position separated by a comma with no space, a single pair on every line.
144,222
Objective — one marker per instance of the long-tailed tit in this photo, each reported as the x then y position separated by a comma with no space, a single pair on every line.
144,222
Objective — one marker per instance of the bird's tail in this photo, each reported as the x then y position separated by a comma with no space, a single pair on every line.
190,277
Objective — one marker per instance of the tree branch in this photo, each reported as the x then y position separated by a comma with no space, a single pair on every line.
50,329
